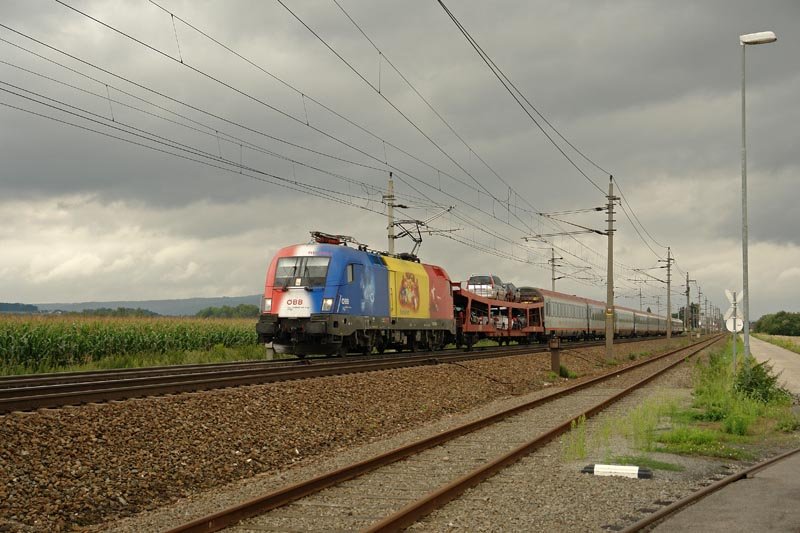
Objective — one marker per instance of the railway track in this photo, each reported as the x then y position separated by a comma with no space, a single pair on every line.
706,491
391,491
25,393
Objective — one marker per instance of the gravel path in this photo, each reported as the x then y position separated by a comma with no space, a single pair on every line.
88,465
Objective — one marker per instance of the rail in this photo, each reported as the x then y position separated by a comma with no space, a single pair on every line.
413,512
25,393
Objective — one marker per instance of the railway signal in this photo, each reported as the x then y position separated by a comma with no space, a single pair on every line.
733,318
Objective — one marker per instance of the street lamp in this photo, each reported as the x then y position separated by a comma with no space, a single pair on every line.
763,37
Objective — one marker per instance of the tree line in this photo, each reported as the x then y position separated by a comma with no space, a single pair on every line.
226,311
118,312
780,323
17,308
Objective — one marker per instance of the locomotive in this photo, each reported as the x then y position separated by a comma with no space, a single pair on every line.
335,296
327,297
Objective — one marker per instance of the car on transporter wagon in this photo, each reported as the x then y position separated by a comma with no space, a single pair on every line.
487,285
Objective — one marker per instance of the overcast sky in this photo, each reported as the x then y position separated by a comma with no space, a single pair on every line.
648,90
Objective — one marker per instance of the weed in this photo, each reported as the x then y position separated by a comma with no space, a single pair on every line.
688,435
642,423
742,414
575,445
633,356
565,372
647,462
601,439
787,422
712,449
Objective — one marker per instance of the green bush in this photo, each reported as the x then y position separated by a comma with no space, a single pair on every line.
757,381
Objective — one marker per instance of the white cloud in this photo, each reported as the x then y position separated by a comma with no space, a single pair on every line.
790,275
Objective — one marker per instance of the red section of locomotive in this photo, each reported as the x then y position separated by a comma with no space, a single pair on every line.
440,297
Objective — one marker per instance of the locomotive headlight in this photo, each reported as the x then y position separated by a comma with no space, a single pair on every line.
327,304
267,307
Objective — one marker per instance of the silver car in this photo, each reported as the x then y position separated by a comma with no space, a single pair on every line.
488,286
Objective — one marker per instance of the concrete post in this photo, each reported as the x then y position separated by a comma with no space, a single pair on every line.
555,354
610,274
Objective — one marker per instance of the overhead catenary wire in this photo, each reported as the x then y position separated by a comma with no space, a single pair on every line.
497,218
430,106
229,86
393,106
622,206
503,78
206,129
383,56
369,84
130,81
506,84
282,182
193,151
305,96
175,100
216,157
622,194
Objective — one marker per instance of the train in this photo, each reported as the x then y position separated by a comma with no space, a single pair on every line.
336,296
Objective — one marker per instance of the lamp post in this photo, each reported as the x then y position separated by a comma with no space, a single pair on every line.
763,37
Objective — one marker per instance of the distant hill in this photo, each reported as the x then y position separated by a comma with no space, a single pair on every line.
187,306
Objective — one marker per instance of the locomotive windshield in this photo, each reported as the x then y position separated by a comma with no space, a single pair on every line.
301,271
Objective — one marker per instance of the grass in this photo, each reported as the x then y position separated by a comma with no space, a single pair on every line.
633,356
575,440
779,341
646,462
731,409
688,440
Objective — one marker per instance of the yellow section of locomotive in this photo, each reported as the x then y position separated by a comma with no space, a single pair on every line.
408,289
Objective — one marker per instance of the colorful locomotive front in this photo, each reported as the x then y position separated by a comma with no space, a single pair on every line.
327,297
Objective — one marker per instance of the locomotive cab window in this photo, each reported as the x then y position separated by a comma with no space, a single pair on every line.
301,271
350,276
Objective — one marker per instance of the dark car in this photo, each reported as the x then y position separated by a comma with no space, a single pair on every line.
529,294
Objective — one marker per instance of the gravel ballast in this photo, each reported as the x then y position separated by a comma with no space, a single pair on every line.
96,463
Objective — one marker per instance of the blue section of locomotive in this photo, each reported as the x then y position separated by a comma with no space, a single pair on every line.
359,281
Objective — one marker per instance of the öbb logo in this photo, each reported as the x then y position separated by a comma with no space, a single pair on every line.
294,301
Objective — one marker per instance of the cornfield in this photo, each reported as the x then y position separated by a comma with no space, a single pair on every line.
50,341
